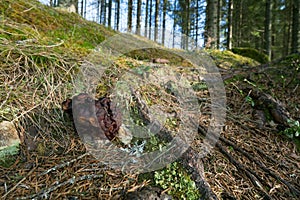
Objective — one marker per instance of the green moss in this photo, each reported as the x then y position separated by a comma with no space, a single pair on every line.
227,59
30,19
8,155
178,183
252,53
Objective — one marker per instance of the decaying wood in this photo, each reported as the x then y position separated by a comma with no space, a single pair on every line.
160,61
264,101
190,159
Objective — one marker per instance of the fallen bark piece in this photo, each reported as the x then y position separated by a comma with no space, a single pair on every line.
160,61
274,107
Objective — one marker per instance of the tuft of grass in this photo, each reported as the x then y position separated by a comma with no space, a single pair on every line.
22,20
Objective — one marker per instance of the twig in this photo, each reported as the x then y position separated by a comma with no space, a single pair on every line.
63,165
250,175
44,193
13,188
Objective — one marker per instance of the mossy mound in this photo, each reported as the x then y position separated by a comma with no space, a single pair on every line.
252,53
228,59
33,22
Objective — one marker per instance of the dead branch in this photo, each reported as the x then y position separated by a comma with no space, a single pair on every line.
45,192
63,165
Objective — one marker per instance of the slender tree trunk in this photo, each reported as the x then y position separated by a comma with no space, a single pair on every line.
150,19
156,20
295,27
81,8
103,12
188,25
286,29
85,8
109,12
211,24
174,30
229,27
164,22
98,12
138,17
268,27
218,24
117,15
129,17
146,18
197,22
237,22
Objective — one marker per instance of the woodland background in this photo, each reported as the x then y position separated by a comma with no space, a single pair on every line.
270,26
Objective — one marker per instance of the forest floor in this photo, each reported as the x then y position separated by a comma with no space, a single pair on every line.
253,159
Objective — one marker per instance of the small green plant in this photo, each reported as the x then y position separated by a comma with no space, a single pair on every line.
177,182
294,130
250,100
198,86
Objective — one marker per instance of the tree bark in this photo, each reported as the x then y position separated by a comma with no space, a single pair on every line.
268,28
295,26
129,17
150,20
219,16
146,18
210,35
117,15
156,20
103,12
197,22
164,22
138,17
109,12
229,27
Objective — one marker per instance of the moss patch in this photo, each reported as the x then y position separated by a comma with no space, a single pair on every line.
252,53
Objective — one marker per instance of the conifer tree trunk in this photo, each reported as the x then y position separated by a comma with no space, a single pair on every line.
98,17
146,18
218,23
138,17
268,27
109,12
237,22
156,20
129,17
164,21
117,15
103,12
210,35
81,8
295,27
197,22
150,19
229,27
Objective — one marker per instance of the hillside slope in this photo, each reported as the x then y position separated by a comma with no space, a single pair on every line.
42,50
